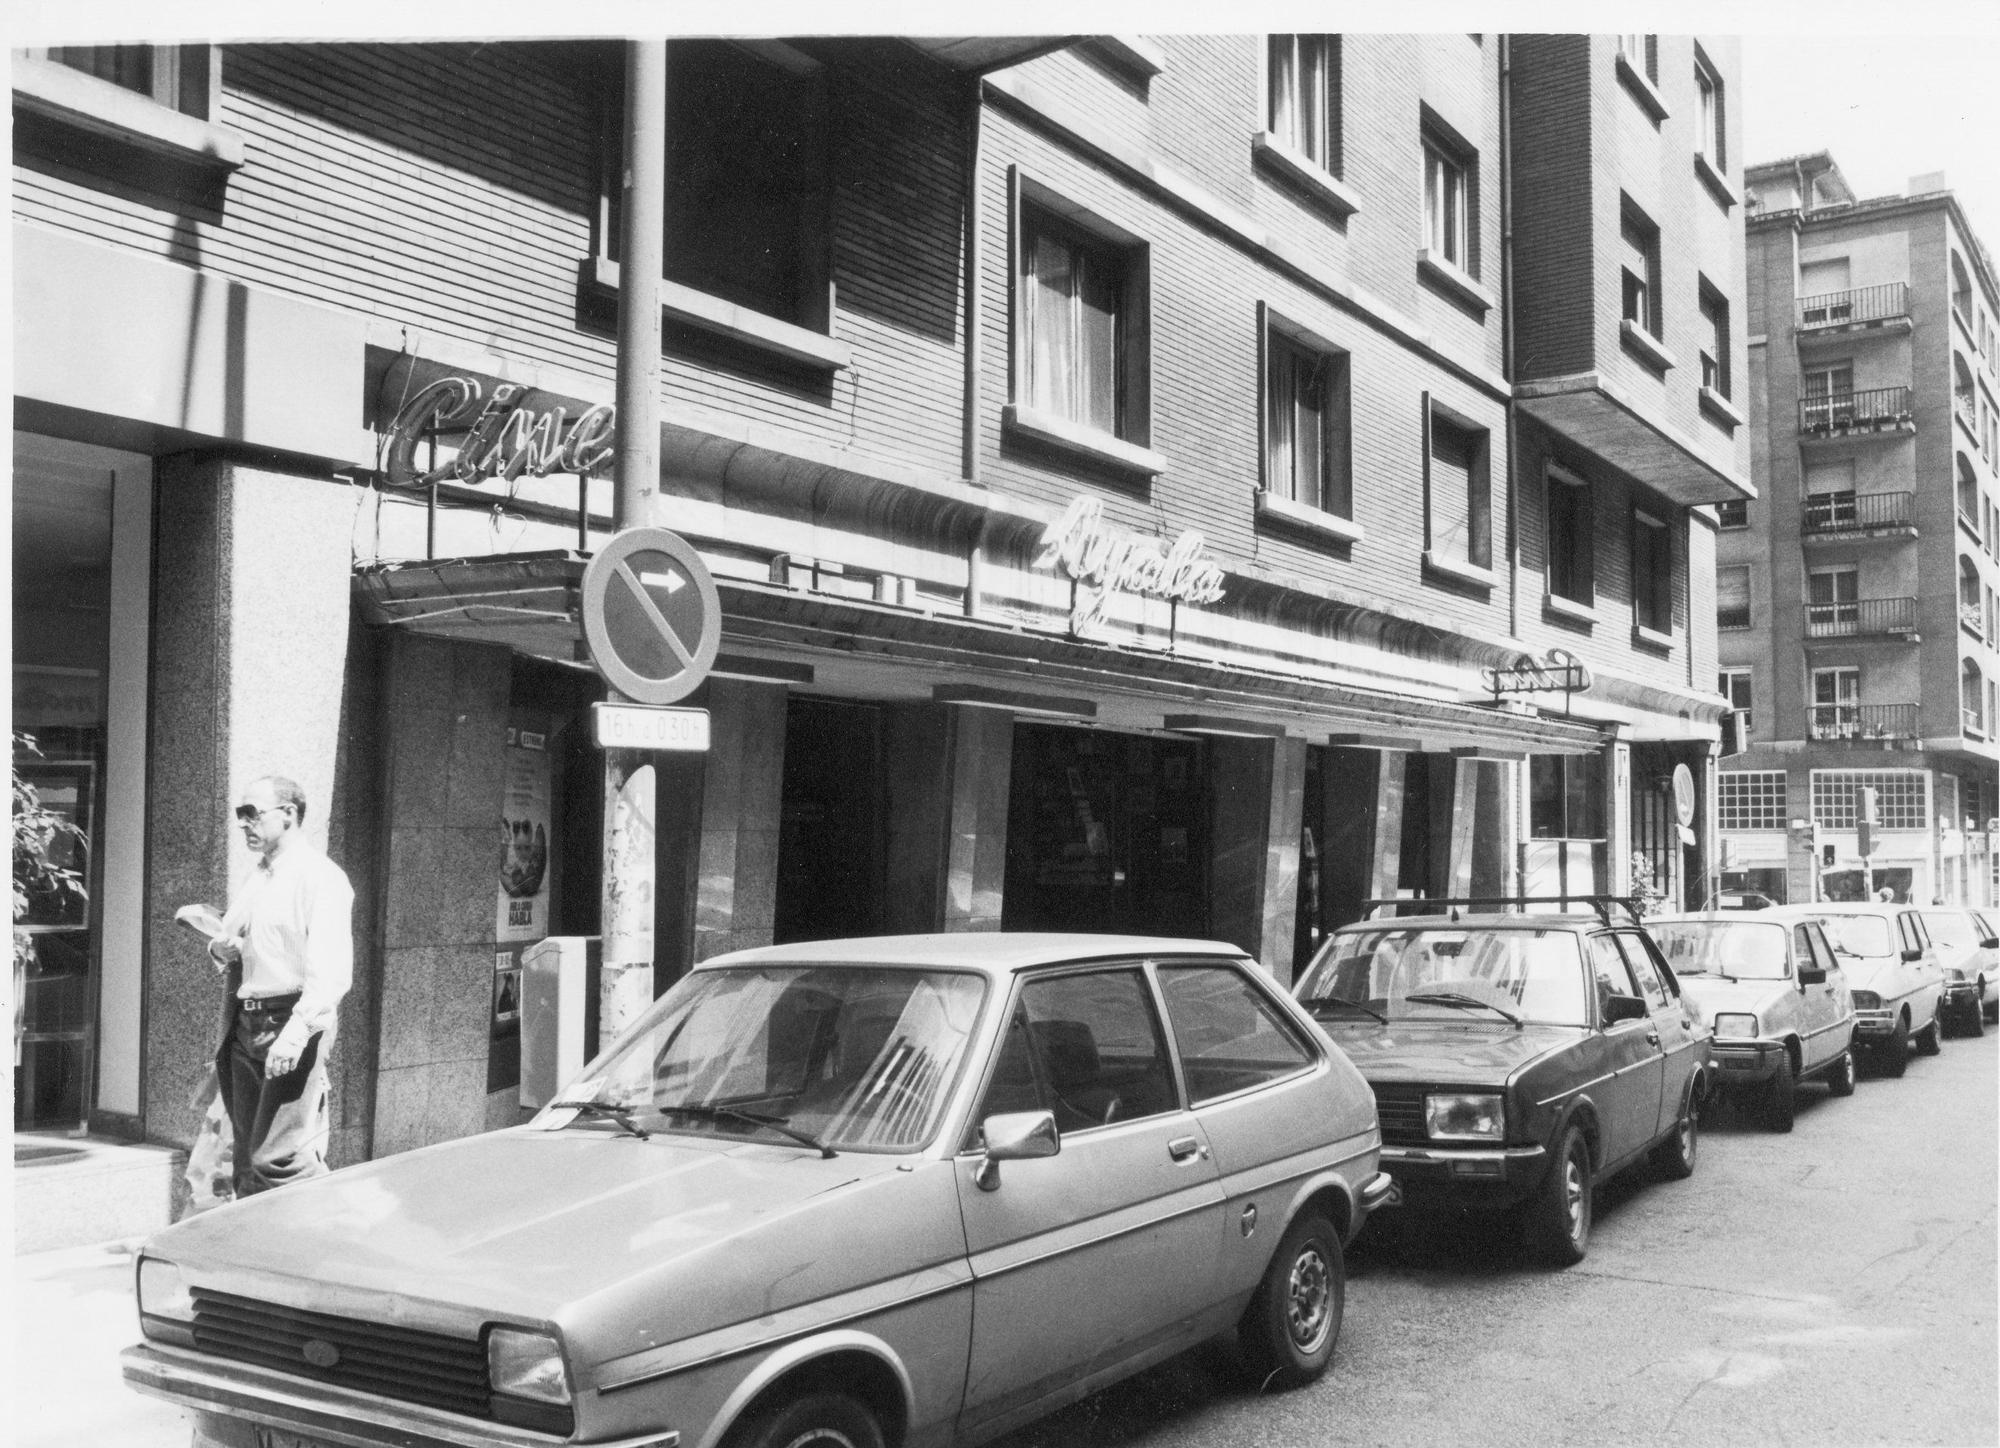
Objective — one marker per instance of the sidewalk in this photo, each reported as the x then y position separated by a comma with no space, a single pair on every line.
72,1315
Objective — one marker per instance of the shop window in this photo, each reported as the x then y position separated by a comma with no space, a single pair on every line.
1652,573
1639,239
1714,339
1304,88
746,179
1457,491
1572,533
1306,451
1566,796
1736,686
1732,597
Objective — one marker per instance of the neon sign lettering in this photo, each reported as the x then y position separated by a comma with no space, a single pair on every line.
1559,672
502,439
1102,563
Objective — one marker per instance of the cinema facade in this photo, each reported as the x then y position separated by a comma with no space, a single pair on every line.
1112,532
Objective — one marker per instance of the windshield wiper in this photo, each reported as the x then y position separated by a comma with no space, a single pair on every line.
607,1111
1453,998
755,1118
1317,1001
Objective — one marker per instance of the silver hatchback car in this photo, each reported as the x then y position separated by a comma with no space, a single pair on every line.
899,1191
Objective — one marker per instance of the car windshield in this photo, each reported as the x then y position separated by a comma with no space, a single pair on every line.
853,1057
1951,929
1745,950
1857,934
1430,974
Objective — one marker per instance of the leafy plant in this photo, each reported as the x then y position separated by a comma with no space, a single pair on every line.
37,873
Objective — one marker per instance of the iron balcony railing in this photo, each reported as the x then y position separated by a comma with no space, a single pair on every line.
1862,304
1974,721
1968,412
1861,616
1876,408
1857,512
1863,721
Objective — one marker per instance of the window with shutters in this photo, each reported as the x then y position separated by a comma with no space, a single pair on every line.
1457,498
1732,597
1305,420
1652,573
1572,527
1735,686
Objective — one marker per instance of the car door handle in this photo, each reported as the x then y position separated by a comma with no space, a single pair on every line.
1183,1147
1652,1038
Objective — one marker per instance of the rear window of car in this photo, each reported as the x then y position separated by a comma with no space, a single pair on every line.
1950,928
1747,950
1858,934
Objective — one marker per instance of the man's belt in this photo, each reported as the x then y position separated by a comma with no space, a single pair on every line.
265,1005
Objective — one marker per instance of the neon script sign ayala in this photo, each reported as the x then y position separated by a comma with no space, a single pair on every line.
1101,563
502,439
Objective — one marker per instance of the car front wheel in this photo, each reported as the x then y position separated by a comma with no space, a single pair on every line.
816,1420
1555,1222
1287,1333
1674,1157
1930,1040
1840,1080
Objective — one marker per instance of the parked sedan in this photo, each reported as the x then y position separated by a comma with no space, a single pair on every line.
1517,1059
1774,995
1892,974
910,1190
1970,954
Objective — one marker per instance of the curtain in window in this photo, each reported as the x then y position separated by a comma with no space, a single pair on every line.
1073,332
1459,525
1297,424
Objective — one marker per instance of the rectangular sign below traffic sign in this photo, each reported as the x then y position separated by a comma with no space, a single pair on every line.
642,726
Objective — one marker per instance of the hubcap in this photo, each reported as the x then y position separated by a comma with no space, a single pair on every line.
1573,1190
1308,1298
822,1438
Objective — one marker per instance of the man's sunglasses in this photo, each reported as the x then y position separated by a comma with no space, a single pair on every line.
249,814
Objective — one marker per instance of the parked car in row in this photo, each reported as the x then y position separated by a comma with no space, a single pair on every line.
917,1189
1892,973
1969,951
1773,993
1517,1059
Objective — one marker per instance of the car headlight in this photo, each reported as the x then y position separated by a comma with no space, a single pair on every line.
163,1292
1462,1116
526,1365
1866,1000
1733,1025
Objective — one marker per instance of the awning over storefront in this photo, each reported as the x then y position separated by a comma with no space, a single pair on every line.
854,648
1592,412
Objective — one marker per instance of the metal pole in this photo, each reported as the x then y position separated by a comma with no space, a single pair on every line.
626,918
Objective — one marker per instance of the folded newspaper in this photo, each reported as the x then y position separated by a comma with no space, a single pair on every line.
203,920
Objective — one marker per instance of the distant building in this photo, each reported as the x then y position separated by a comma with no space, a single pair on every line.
1858,598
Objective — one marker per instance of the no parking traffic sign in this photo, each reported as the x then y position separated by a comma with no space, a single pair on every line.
651,617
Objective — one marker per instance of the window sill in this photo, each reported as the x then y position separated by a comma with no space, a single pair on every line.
1459,570
1569,608
72,98
1645,346
1651,638
1455,282
740,324
1971,529
1717,183
1320,185
1273,509
1643,90
1718,407
1085,442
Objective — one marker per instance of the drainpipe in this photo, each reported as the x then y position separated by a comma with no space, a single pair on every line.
975,259
1517,813
626,902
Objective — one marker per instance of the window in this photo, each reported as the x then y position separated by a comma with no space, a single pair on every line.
1733,514
1640,241
1076,327
1448,201
1087,1047
1971,599
1230,1037
1457,501
1968,494
1304,85
1714,340
1962,396
1832,601
1829,394
175,76
1732,597
1652,573
1972,697
1902,799
1836,703
1566,796
1306,423
1711,120
1735,686
1641,52
1572,525
1961,291
1751,799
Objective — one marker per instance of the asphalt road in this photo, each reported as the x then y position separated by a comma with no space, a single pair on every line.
1833,1286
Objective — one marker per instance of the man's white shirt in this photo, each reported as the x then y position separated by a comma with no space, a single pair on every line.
293,915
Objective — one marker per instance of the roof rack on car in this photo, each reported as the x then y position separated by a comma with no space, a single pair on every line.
1451,905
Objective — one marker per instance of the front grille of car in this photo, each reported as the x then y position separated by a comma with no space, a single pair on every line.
371,1357
1401,1112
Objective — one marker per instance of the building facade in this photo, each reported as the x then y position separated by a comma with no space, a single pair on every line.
1856,596
1133,502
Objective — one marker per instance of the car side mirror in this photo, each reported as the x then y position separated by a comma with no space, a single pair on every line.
1624,1008
1811,975
1912,954
1991,942
1015,1136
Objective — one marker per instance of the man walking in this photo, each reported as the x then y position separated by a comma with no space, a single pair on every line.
290,928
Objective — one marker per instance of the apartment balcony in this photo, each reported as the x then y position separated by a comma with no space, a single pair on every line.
1862,618
1967,412
1861,723
1884,309
1851,515
1879,411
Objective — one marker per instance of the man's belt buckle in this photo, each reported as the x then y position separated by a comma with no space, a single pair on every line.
260,1005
